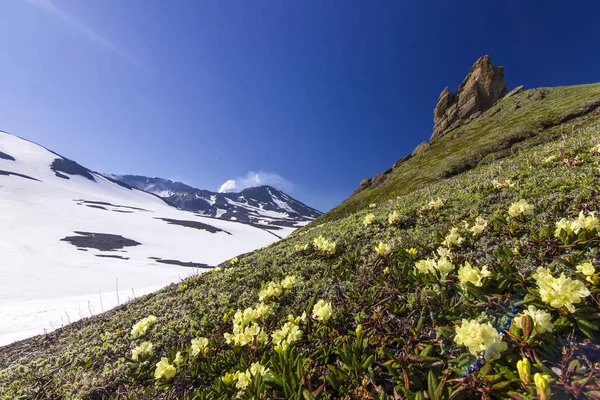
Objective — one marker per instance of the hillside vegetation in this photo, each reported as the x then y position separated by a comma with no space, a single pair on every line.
471,273
484,140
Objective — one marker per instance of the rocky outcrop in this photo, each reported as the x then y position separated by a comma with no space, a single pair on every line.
481,89
516,90
420,149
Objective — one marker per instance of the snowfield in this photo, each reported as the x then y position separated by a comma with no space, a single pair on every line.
47,282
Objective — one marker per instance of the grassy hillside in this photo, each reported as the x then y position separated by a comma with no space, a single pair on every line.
484,140
422,296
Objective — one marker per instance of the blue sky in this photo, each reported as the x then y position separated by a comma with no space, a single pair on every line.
311,96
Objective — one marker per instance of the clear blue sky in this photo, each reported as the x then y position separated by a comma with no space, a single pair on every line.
321,93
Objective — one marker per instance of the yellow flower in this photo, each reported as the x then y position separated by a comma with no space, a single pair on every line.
542,320
393,217
586,268
164,369
542,384
432,205
479,226
257,369
230,377
453,238
412,251
324,245
368,220
480,338
524,369
142,350
199,345
142,326
473,275
322,311
301,247
559,292
444,252
372,205
444,265
288,282
519,208
234,261
574,226
383,249
272,290
244,379
178,358
425,266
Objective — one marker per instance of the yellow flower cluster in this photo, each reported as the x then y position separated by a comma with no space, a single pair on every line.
479,226
301,247
432,205
521,207
234,261
480,338
473,275
275,289
245,328
372,205
324,245
244,378
501,183
542,320
429,266
393,217
288,334
588,223
383,249
368,220
322,311
142,350
559,292
453,238
164,369
412,251
587,269
272,291
199,346
142,326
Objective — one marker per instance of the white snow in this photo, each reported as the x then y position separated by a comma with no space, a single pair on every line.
46,282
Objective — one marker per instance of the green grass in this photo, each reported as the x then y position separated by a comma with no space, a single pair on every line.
407,347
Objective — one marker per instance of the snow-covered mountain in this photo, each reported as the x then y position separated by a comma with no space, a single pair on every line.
74,242
261,205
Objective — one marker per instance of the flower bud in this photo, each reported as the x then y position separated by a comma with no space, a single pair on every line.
524,369
527,326
542,384
359,330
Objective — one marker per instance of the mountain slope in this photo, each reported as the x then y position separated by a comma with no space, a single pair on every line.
438,321
260,205
519,122
70,238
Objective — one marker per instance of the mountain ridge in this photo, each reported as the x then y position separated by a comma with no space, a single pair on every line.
261,204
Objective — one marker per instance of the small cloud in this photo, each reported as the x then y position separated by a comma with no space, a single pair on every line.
228,186
259,178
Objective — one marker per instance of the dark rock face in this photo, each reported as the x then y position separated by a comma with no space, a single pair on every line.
5,156
69,167
481,89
